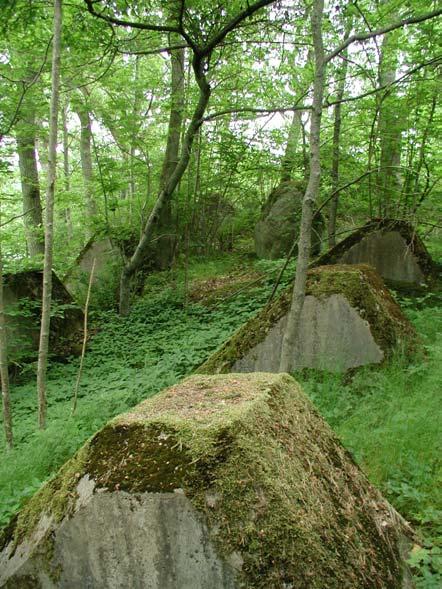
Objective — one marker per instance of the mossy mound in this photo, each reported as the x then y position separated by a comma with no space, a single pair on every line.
391,246
283,503
376,320
278,226
22,298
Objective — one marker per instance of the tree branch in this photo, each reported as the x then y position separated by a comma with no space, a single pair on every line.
382,31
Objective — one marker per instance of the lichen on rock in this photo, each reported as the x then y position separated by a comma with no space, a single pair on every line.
240,465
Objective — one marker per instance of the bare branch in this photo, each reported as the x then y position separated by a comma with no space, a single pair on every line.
382,31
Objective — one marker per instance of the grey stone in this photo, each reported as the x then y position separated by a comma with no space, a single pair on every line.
332,336
22,294
389,254
278,226
219,482
349,319
393,248
116,540
107,261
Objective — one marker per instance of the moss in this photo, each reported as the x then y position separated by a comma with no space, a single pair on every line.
284,493
362,287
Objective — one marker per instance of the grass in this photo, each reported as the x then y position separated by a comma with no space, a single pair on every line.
388,418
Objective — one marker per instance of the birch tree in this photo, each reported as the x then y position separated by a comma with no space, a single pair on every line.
49,220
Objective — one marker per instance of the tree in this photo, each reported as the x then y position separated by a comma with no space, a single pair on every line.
311,194
4,374
49,219
202,46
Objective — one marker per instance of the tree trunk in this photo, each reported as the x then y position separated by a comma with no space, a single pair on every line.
199,64
66,172
27,157
333,206
47,268
83,113
288,160
165,244
4,375
389,126
289,340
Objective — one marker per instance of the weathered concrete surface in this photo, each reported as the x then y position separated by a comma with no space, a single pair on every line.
349,319
107,261
278,227
392,247
148,540
333,336
220,482
22,299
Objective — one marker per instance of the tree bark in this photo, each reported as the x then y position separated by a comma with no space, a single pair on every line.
165,244
30,185
289,342
333,206
66,171
288,160
4,375
83,113
50,197
389,182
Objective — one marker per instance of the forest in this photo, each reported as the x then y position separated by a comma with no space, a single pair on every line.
193,188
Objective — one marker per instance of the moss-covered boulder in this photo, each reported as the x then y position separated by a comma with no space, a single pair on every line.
226,481
278,226
391,246
22,299
349,319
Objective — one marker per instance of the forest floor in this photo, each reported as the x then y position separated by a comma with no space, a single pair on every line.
389,418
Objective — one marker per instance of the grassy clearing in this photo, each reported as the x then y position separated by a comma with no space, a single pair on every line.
389,419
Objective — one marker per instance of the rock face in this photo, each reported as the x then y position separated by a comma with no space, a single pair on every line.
349,319
22,297
107,263
392,247
278,226
219,482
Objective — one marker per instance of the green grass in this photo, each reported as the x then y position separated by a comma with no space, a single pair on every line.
389,418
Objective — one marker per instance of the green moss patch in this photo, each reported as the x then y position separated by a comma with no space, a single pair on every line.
362,287
273,482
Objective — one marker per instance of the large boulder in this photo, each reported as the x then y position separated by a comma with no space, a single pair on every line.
392,247
278,226
349,319
225,482
22,299
105,257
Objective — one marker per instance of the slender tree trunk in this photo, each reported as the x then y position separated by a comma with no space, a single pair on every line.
4,375
289,340
333,206
83,113
199,65
27,157
66,171
50,197
165,244
389,125
288,160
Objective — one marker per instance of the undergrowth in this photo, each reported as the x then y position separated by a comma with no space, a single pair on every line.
388,418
